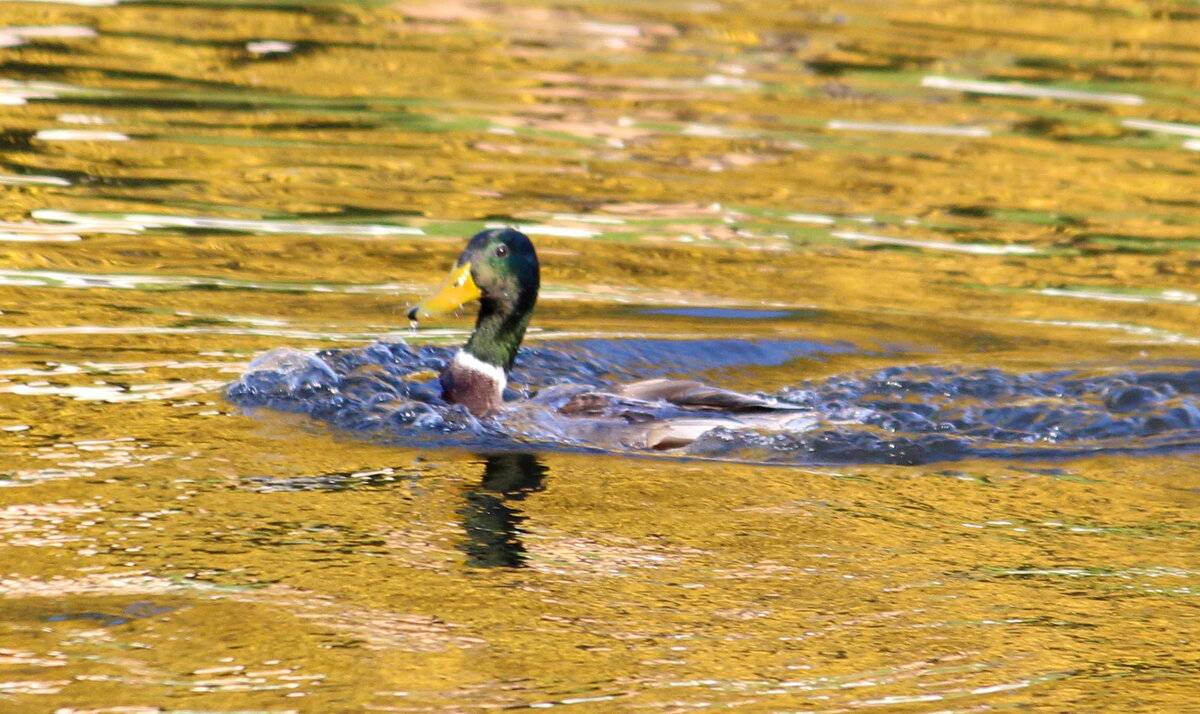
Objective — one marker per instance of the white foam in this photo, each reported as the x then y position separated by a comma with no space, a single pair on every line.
974,248
38,238
887,127
266,47
118,281
79,135
1162,127
811,218
1016,89
142,221
1176,296
17,180
81,3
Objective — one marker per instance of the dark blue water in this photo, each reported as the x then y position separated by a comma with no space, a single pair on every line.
898,415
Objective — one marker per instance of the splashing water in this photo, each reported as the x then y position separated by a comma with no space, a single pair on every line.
903,415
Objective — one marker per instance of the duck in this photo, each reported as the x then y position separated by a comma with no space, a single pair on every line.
499,269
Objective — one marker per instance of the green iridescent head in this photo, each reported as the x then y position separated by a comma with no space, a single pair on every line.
499,268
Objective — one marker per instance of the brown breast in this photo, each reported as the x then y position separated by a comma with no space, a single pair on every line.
478,392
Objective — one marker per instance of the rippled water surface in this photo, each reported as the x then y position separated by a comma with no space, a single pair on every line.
962,235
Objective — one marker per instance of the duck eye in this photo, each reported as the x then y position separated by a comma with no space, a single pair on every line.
501,250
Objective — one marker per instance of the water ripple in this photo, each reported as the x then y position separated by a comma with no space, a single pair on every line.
137,222
904,415
1017,89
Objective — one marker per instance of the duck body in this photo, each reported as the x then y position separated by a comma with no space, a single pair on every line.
663,414
500,269
473,383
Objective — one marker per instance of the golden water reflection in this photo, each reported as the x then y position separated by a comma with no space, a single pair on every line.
188,185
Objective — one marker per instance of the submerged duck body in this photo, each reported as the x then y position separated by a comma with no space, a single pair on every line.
500,269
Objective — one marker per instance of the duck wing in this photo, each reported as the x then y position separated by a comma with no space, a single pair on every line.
647,414
690,394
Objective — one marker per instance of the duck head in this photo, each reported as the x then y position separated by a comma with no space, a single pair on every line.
499,268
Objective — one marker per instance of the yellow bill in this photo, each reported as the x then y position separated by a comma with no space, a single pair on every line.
458,290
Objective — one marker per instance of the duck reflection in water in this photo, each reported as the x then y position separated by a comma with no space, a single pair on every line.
493,527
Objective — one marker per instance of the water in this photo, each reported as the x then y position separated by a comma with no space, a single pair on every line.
962,235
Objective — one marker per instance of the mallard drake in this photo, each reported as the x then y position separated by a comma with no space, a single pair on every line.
500,269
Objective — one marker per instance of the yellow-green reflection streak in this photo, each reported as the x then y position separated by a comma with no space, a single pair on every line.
173,178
